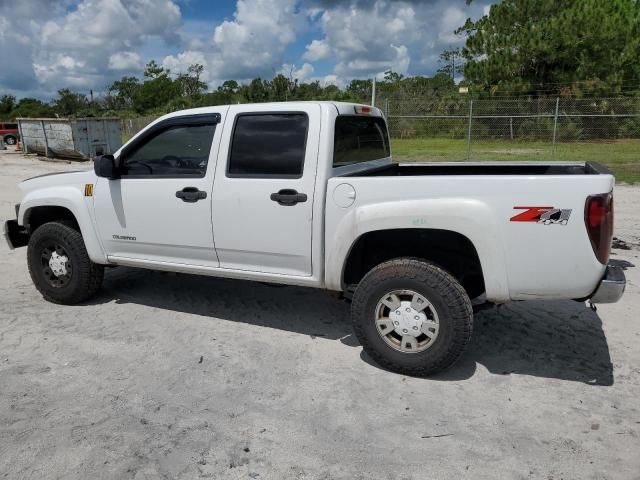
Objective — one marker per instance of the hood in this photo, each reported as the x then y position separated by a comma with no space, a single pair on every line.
76,177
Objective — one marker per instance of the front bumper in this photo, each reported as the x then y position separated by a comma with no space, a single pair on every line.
15,235
611,286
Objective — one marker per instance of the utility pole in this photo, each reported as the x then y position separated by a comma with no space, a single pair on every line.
373,92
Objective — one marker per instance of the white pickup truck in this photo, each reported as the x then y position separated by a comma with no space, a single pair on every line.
308,194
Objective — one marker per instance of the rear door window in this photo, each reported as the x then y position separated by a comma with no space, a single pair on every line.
359,139
269,145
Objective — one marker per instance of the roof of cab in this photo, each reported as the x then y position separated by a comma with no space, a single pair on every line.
343,108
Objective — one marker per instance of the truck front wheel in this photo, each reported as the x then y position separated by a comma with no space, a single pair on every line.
60,266
412,317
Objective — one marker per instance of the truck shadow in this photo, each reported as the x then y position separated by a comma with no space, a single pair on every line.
560,339
552,339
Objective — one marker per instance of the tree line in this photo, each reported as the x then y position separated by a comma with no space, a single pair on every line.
160,91
530,48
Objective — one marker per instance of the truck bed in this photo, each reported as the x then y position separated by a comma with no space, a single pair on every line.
520,260
483,168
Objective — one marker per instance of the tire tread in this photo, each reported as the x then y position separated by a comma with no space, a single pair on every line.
453,295
90,274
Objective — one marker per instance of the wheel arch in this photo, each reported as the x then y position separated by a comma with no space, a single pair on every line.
38,208
470,222
447,249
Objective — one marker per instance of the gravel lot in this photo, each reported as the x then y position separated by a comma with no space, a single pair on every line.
176,376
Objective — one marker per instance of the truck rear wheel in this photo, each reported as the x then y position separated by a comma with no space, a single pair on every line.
60,266
412,317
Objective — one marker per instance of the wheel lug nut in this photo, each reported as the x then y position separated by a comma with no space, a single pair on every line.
396,323
408,309
415,328
417,317
398,312
405,330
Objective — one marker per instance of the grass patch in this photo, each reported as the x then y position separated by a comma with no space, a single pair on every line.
622,156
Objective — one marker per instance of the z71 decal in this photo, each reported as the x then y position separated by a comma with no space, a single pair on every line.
544,215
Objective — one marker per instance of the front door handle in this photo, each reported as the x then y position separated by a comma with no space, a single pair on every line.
288,197
191,194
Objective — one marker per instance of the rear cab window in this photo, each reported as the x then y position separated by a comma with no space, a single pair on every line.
358,139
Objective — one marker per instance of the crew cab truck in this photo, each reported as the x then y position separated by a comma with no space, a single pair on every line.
308,194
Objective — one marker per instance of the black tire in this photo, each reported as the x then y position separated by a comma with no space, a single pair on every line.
84,277
10,140
443,291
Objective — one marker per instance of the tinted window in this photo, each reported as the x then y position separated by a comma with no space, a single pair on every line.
359,139
269,145
176,152
11,126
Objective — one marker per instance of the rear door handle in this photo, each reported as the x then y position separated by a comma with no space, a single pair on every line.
191,194
288,197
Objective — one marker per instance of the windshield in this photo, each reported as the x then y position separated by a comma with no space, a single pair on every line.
359,139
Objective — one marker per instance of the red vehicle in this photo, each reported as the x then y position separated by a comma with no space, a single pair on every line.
9,133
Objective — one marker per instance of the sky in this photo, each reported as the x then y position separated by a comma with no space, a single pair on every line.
87,44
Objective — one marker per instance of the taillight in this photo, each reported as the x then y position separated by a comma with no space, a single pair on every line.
598,217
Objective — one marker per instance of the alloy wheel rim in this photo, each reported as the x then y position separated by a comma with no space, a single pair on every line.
407,321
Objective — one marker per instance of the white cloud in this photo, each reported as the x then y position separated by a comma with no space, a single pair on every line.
331,80
301,74
82,43
368,38
181,62
250,45
88,43
316,50
255,40
452,18
125,61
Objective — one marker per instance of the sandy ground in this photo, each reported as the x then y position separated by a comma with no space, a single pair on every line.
175,376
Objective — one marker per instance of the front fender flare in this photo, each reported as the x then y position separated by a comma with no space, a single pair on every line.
73,199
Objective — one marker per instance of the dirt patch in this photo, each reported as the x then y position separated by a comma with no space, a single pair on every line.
177,376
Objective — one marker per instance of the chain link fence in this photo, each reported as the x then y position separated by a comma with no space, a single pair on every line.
521,128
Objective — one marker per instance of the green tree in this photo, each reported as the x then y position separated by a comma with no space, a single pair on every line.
256,91
155,93
31,107
393,77
7,103
282,88
359,89
69,103
190,84
153,70
452,63
541,46
122,92
229,87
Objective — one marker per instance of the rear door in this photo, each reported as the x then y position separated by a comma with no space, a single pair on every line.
264,189
160,209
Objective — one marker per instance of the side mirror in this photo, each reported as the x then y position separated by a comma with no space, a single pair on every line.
105,166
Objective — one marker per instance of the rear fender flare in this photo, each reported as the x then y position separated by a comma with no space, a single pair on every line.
469,217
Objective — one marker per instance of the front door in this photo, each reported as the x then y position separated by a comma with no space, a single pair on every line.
263,196
160,209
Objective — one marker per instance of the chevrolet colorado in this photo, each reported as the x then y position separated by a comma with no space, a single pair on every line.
308,194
